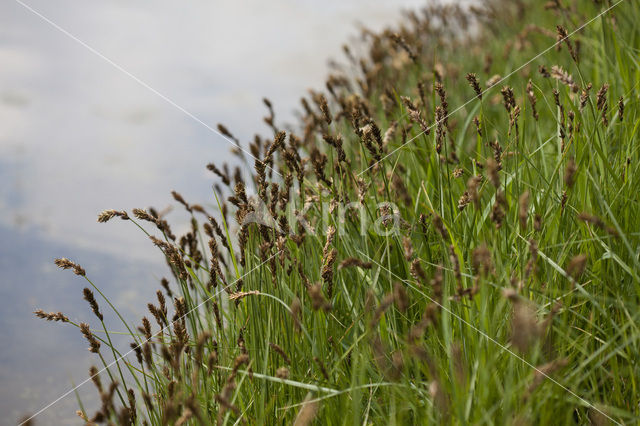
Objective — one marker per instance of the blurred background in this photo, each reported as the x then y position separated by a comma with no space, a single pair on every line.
78,136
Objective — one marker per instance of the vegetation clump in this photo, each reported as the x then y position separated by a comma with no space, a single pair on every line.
449,235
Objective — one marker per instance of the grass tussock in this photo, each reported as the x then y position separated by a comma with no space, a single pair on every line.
448,235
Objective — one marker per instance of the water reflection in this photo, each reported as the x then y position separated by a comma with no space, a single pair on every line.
78,136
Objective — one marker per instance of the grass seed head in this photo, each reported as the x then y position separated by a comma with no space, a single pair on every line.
94,344
564,77
65,263
417,272
525,330
354,261
278,349
532,100
570,173
563,37
324,108
296,312
51,316
473,81
577,266
481,260
523,209
88,296
318,301
107,215
308,411
621,109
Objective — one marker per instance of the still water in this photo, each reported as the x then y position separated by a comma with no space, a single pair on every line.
79,134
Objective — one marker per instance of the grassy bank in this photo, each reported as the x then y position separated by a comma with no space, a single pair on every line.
450,234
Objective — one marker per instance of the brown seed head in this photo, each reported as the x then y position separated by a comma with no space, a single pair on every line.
508,98
584,96
107,215
472,189
473,81
597,222
415,115
400,297
577,265
181,200
65,263
563,37
354,261
318,300
308,412
564,77
94,344
277,349
327,270
498,209
242,294
493,167
296,311
481,260
465,199
601,97
224,176
94,375
439,225
542,373
525,329
51,316
570,173
143,215
543,71
324,108
88,296
417,272
523,209
399,40
532,100
621,109
282,373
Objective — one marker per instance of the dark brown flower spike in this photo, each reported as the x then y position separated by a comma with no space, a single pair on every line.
324,108
532,100
354,261
473,81
563,37
400,41
88,296
621,109
94,344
